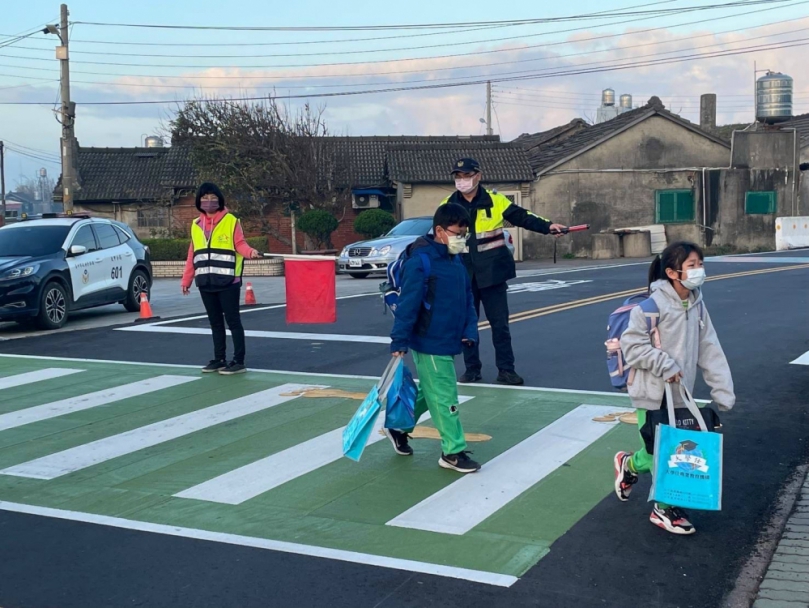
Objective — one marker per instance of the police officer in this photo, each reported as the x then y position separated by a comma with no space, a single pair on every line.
490,264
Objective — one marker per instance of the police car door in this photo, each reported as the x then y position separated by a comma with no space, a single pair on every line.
119,259
86,273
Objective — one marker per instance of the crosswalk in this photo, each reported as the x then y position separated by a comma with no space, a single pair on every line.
259,457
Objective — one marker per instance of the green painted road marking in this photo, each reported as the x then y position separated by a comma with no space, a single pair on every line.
338,510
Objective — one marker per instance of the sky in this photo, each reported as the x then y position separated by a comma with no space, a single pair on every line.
544,73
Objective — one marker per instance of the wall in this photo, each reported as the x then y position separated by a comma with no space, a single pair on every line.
622,195
425,198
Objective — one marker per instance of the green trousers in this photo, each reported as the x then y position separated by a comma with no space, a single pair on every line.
642,461
438,392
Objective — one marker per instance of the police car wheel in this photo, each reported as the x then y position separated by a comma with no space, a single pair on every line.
52,306
138,284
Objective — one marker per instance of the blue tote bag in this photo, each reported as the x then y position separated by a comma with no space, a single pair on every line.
687,468
361,425
400,410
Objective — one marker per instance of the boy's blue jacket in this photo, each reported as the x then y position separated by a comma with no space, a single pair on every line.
451,317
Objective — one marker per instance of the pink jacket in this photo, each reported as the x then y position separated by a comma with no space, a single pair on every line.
208,224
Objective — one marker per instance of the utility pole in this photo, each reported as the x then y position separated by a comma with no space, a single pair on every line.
68,113
489,130
3,182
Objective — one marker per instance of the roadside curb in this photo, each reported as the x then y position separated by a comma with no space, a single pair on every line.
753,572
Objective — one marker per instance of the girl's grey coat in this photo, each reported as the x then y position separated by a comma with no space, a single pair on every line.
687,343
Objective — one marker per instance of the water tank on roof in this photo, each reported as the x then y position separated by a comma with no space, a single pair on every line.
608,97
626,102
773,98
154,142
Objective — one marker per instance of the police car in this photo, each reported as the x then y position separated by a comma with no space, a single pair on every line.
53,265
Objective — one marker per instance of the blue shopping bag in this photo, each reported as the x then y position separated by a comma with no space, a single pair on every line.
361,425
400,410
687,468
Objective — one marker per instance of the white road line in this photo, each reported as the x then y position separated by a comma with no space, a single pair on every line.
37,376
477,576
464,504
284,335
89,400
249,481
802,360
755,260
96,452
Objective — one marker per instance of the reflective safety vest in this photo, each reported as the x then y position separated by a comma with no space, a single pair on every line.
216,261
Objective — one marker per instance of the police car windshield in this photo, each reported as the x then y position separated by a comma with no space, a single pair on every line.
416,227
30,240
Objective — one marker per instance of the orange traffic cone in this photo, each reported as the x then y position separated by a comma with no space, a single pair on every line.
145,309
250,296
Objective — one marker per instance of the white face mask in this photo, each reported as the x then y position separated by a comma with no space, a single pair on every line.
456,244
695,277
465,185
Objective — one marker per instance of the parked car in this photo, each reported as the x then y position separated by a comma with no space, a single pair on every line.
53,265
365,258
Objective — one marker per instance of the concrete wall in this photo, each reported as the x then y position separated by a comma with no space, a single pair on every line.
425,198
622,194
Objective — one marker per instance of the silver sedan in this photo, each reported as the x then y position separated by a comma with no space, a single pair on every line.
365,258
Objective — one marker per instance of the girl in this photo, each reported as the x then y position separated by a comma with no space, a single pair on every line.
687,341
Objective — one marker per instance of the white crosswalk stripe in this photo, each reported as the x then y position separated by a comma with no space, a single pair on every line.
37,376
96,452
89,400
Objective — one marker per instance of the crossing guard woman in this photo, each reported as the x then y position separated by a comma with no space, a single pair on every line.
490,264
215,263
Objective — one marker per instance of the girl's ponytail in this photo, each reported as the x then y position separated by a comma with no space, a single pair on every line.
655,270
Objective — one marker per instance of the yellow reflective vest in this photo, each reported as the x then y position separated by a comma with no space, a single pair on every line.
489,261
217,264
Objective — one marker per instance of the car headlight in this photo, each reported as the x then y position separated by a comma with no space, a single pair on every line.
344,252
17,273
373,252
385,250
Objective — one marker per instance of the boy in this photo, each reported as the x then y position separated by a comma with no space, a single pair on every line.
436,332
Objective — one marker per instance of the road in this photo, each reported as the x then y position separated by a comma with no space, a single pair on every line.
226,491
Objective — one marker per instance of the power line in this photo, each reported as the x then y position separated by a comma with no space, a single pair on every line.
398,72
570,72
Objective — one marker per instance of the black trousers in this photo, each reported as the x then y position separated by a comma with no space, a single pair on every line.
223,306
495,303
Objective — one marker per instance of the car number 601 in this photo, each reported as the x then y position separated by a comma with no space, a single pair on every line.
117,272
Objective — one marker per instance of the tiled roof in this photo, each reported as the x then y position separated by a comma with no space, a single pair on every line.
130,174
578,143
530,141
365,157
801,123
500,162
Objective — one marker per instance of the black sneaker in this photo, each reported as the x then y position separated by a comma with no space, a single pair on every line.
233,368
510,378
214,366
671,519
624,477
399,441
470,376
459,462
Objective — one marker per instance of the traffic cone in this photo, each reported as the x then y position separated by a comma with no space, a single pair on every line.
250,296
145,309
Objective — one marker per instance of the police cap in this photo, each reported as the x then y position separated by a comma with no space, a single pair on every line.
466,165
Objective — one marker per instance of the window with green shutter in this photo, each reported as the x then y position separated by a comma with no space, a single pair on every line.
674,206
760,203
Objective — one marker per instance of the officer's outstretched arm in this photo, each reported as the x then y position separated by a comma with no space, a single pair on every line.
523,218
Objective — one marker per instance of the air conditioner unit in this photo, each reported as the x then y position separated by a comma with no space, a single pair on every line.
365,201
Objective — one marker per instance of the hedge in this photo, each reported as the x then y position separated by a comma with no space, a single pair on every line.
374,223
170,250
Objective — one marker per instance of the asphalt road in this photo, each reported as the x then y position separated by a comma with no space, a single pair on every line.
611,557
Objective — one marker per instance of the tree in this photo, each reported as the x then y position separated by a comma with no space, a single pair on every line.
318,224
264,157
373,223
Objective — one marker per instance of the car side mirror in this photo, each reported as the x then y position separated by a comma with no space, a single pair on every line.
77,250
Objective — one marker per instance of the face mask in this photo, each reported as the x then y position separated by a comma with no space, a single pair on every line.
456,244
209,206
465,185
695,277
